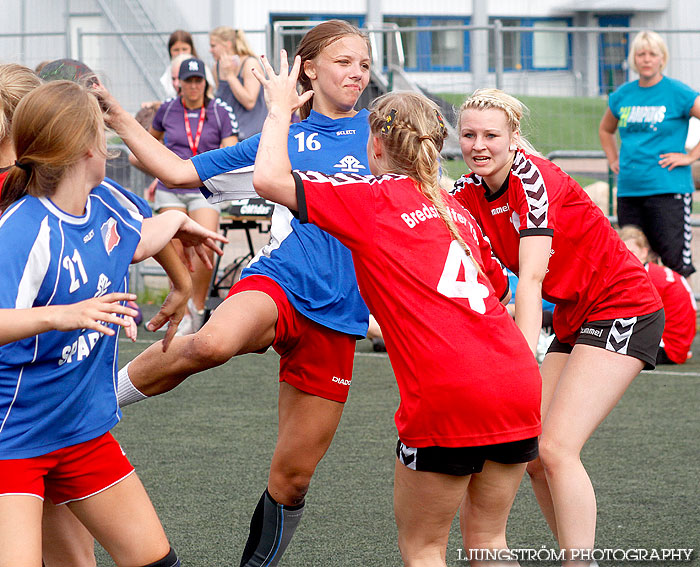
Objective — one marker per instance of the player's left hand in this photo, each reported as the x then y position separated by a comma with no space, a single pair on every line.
674,159
198,240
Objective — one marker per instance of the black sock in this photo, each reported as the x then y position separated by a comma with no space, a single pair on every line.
271,529
170,560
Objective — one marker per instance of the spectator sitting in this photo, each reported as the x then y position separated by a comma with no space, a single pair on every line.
679,302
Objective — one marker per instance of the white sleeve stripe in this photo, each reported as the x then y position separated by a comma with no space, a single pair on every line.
12,209
232,185
123,201
36,268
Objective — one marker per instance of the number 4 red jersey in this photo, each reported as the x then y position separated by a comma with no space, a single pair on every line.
465,373
591,275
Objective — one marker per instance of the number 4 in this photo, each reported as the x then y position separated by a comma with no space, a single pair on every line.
470,288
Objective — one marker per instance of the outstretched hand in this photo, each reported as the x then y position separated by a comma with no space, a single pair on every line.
281,89
96,314
197,240
171,312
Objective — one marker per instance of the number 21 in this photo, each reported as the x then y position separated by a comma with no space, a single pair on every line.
70,264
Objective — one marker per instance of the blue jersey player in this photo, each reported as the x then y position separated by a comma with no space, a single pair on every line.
299,295
68,240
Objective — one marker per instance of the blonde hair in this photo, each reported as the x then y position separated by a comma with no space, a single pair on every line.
237,38
647,39
15,82
54,126
635,234
484,99
413,132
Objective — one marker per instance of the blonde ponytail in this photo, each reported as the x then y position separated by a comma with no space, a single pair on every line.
413,133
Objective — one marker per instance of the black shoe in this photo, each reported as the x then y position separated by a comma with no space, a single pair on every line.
378,344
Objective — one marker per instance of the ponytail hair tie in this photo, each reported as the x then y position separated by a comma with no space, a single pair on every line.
441,122
23,166
389,120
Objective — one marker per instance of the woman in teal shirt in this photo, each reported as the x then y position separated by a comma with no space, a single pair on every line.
654,184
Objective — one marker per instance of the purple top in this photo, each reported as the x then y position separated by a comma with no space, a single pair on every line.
219,123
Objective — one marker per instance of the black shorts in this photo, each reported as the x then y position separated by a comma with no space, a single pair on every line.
463,461
635,336
665,220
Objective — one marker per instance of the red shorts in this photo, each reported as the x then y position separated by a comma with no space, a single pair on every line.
68,474
314,358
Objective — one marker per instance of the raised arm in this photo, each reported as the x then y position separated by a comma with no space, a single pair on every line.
272,177
246,91
160,162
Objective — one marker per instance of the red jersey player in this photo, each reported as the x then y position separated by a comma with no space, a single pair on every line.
469,388
679,302
608,317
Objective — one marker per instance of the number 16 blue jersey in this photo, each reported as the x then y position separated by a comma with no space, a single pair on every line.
314,269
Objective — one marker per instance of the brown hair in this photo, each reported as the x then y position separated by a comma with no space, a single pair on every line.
15,82
314,42
237,38
412,133
54,126
183,36
483,99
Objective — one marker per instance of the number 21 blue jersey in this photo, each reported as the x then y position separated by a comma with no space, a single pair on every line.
58,388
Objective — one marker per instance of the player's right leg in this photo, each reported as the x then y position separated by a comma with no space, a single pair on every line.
243,323
425,503
20,530
488,502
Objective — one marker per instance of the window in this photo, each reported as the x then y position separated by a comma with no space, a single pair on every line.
409,40
550,50
538,49
512,49
447,47
292,36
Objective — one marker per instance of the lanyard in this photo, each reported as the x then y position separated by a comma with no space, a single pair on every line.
194,144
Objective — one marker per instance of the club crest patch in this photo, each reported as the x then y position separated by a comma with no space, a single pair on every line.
110,235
